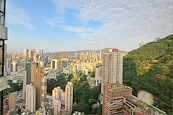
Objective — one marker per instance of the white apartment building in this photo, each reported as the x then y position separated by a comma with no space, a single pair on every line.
30,98
97,79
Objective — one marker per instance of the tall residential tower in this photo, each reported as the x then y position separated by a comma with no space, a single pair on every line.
30,98
40,83
112,68
69,96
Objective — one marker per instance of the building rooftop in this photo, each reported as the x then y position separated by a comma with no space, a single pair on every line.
145,105
120,87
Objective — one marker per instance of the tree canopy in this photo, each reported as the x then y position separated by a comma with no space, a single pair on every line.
150,68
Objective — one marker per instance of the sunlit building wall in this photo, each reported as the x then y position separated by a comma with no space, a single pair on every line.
69,96
30,102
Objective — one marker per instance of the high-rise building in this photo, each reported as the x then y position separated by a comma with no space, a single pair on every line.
100,55
12,101
43,90
55,64
41,54
62,97
97,79
56,102
30,70
55,94
59,56
98,72
57,107
112,68
41,64
69,96
24,84
64,63
31,53
30,102
73,69
35,58
25,54
40,83
14,66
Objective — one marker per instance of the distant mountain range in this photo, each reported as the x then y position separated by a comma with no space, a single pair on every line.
72,53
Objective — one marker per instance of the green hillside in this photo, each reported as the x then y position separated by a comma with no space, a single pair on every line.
150,68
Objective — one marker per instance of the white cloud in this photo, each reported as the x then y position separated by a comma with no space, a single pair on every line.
54,21
18,16
58,22
124,21
77,29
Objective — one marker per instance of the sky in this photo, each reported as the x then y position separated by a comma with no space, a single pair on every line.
69,25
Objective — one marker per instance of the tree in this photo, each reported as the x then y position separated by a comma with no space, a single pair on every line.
99,110
51,84
93,74
84,107
70,77
94,92
61,81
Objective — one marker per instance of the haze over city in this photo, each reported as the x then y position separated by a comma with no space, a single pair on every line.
63,25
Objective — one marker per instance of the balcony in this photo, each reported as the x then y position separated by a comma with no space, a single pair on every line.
3,32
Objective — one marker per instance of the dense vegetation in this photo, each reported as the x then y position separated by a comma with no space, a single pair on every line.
150,68
83,96
13,87
59,81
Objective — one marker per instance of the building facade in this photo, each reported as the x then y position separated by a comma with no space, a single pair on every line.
30,70
30,102
118,100
114,98
55,94
112,68
69,96
40,83
12,101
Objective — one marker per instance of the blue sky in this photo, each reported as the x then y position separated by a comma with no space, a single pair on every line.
68,25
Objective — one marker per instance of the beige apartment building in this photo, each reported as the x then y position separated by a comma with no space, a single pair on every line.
40,83
69,96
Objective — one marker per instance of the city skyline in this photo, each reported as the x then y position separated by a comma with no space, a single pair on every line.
56,25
